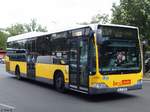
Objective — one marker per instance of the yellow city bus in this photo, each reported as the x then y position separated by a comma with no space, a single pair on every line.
91,59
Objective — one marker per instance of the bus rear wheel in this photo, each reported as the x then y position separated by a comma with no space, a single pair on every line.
17,73
59,82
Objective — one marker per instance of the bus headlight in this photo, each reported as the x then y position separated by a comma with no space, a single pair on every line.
100,86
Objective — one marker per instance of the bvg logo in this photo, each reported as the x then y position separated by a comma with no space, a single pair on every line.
121,83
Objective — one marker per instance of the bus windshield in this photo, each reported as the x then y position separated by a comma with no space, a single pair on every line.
119,55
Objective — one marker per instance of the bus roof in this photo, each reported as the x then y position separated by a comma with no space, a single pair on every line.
117,25
61,29
24,36
38,34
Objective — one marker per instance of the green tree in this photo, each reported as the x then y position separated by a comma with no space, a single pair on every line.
98,18
34,26
18,28
135,13
15,29
3,38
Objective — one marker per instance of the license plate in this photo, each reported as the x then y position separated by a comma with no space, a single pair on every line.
122,89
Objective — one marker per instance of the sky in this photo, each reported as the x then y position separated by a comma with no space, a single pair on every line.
52,13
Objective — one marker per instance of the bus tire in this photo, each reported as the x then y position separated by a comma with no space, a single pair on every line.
17,73
59,82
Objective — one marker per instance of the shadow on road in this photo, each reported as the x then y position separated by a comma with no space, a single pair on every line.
88,98
103,97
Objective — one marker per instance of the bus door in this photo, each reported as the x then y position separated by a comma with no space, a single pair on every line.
83,64
31,66
74,63
78,64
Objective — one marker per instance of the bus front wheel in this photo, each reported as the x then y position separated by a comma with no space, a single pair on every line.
59,82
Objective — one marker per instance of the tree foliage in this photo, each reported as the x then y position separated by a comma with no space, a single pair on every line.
34,26
133,12
18,28
3,38
98,18
15,29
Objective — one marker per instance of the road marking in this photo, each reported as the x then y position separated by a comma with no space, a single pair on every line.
7,106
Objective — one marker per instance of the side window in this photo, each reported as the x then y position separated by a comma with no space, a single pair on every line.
30,45
20,44
43,45
9,45
27,45
33,44
60,47
44,59
83,52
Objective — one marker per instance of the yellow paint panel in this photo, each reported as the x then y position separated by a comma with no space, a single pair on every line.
116,80
47,70
22,66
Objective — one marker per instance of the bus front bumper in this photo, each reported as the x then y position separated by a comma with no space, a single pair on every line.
95,91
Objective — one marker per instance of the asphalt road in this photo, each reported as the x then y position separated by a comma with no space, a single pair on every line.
31,96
